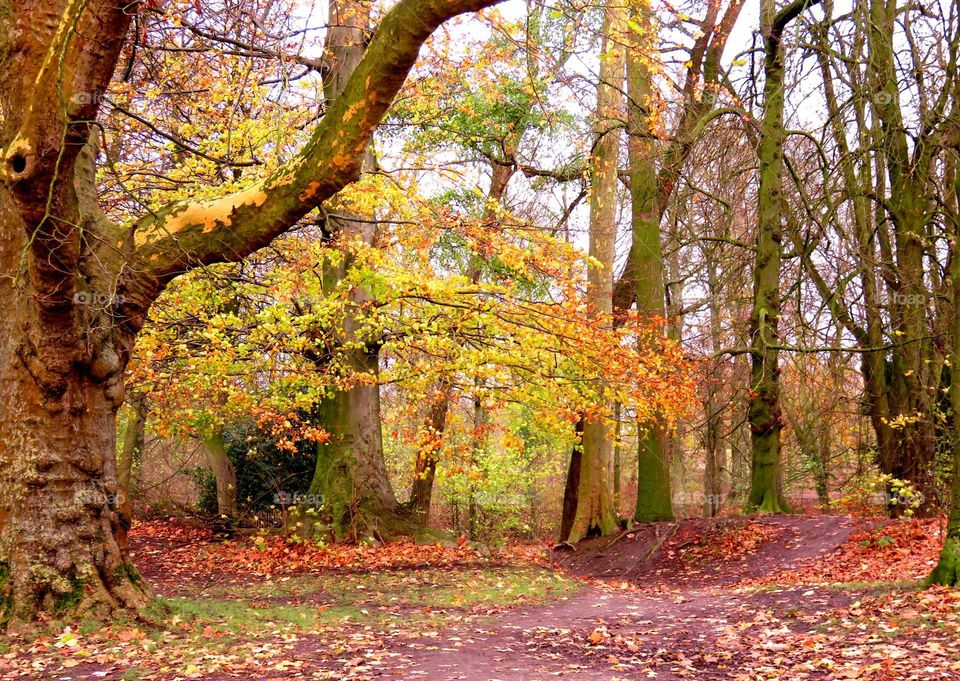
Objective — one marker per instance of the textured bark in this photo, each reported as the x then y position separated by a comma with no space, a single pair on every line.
910,207
76,288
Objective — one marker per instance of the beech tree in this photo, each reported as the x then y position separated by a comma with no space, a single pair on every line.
588,505
61,359
766,494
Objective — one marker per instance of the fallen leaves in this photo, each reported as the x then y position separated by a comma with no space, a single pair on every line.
880,551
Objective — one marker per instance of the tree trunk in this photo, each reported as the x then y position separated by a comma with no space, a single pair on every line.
133,438
653,461
572,486
947,570
60,529
351,475
350,479
421,493
595,514
766,495
223,473
906,162
617,456
712,406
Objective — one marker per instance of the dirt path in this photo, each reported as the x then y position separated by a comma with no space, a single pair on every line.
607,633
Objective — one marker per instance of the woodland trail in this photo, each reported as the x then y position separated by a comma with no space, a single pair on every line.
695,631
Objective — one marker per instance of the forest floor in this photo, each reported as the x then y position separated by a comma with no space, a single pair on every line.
783,597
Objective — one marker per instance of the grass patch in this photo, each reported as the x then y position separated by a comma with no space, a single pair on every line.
310,602
435,588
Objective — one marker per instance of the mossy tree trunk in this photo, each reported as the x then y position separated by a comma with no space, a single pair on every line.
654,501
947,570
76,287
351,478
766,494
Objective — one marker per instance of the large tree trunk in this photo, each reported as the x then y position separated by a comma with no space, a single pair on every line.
766,495
906,162
351,477
594,513
654,501
59,397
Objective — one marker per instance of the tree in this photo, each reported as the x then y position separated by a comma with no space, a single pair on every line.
947,570
587,499
766,494
646,264
351,477
61,360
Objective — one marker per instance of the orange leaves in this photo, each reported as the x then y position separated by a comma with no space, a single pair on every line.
884,551
276,555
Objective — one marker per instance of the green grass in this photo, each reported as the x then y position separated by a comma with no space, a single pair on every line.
302,604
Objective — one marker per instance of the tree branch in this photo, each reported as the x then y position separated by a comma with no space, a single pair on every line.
228,228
